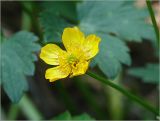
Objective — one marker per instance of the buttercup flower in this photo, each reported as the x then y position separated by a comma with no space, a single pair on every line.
75,60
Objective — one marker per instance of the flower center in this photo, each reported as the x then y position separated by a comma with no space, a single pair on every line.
71,59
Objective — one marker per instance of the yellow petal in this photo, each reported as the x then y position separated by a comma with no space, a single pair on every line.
72,38
51,54
80,68
57,73
91,46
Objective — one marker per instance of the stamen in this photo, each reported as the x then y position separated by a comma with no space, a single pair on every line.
71,59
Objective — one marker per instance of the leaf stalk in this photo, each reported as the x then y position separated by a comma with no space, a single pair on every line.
153,20
124,92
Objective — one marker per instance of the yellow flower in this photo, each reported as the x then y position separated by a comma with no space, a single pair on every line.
75,60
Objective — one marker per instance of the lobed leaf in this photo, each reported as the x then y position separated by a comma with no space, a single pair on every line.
53,26
112,53
149,74
62,8
121,18
17,63
54,18
114,22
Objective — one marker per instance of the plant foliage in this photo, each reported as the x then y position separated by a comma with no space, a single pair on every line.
53,18
67,116
17,63
114,22
149,74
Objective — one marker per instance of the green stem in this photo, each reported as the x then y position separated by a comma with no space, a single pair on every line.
26,21
30,9
125,92
13,112
29,109
114,98
153,19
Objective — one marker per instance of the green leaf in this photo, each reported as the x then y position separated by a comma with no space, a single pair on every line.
121,18
67,116
66,9
17,63
53,26
114,22
64,116
149,74
83,116
54,17
112,53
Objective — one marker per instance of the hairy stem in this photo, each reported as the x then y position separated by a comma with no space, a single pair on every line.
123,91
